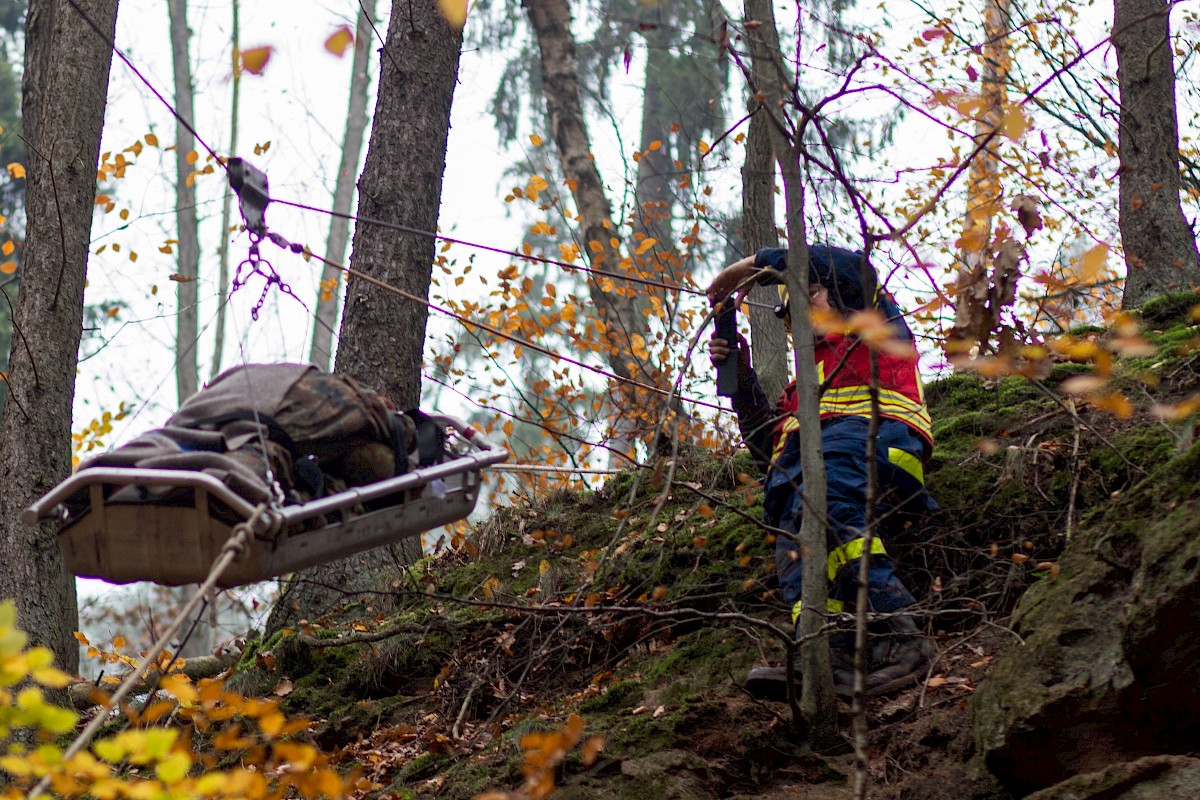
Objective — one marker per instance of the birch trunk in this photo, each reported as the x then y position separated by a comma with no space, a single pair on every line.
768,336
330,292
615,307
187,379
770,76
65,91
972,318
227,202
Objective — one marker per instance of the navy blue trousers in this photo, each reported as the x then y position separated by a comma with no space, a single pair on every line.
901,488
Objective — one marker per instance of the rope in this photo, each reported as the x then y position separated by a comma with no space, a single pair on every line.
543,468
261,521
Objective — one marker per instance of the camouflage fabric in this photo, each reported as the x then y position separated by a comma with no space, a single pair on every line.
255,424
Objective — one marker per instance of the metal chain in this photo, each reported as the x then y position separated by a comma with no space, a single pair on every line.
254,264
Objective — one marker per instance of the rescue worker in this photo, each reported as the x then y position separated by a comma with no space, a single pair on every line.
899,654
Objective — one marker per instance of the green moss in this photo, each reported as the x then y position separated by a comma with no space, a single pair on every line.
1168,309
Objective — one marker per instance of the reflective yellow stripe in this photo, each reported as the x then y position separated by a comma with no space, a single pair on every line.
907,462
790,425
856,401
831,605
843,555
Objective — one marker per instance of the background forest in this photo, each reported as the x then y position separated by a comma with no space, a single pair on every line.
509,212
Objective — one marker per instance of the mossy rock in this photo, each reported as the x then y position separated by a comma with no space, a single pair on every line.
1109,662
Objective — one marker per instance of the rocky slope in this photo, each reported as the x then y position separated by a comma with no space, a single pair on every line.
596,640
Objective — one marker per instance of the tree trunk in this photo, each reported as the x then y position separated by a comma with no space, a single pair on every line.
770,77
972,319
330,292
1160,247
768,336
616,308
227,202
383,335
65,91
187,379
654,192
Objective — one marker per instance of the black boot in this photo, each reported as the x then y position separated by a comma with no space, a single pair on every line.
770,683
900,656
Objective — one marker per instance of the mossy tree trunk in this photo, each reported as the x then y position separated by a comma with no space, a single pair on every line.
65,93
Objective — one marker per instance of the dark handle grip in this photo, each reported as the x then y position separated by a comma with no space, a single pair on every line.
726,328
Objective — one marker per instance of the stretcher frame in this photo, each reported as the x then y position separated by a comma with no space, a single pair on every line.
122,542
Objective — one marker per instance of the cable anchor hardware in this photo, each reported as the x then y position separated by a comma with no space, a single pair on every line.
250,184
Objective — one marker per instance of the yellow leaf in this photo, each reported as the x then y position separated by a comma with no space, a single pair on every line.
704,148
1015,124
8,267
535,140
50,677
181,687
16,170
151,139
7,248
340,41
454,12
271,724
508,427
192,156
118,642
255,59
645,245
1093,263
174,767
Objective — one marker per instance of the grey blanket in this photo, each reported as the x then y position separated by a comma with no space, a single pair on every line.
248,427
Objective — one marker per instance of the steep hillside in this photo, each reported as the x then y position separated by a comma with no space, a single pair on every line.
632,613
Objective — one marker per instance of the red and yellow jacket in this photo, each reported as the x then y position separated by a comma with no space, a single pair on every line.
844,362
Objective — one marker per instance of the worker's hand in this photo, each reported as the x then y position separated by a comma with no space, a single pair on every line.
719,351
732,278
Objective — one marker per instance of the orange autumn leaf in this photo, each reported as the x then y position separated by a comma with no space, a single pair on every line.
454,12
255,59
340,41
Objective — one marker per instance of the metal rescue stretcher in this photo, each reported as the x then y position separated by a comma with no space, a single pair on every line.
177,542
